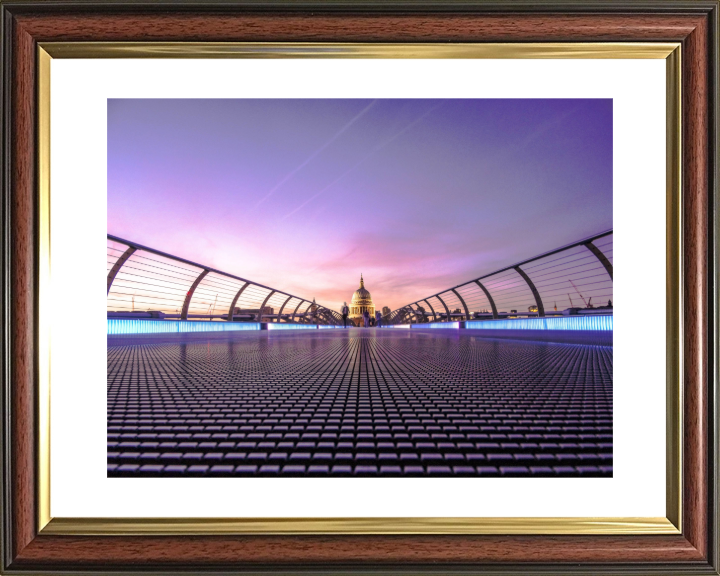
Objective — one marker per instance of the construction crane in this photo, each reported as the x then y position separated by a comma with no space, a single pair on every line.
578,291
571,302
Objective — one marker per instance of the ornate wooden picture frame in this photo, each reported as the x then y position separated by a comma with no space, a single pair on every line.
686,541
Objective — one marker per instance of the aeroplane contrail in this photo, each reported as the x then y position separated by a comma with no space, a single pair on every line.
314,154
373,151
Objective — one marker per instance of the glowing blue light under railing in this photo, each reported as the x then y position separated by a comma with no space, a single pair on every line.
600,322
395,326
271,326
323,326
437,325
127,326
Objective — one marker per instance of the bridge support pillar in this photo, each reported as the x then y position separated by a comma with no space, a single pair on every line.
119,264
535,293
231,310
305,313
189,295
447,311
467,314
490,299
281,309
260,313
432,310
600,256
292,319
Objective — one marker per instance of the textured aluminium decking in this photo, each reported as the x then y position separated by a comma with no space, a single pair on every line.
357,402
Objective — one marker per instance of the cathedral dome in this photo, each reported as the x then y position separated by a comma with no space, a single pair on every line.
361,303
361,297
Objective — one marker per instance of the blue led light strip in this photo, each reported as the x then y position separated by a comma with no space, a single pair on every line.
293,326
123,326
449,325
603,322
115,327
127,326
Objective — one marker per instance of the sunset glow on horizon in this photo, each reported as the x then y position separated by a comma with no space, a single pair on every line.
305,195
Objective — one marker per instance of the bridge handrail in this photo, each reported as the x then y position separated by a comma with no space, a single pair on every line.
323,314
524,279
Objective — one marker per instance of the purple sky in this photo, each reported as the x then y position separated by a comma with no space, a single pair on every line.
303,195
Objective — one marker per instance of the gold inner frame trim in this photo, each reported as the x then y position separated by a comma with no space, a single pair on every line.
44,303
269,526
671,52
595,50
674,295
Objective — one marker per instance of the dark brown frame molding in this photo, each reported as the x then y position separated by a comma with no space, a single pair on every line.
694,23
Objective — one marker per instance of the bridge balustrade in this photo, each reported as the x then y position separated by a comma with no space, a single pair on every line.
576,278
142,281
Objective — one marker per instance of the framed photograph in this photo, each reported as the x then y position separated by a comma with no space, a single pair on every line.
362,265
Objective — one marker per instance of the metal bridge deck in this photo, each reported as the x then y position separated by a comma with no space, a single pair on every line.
357,402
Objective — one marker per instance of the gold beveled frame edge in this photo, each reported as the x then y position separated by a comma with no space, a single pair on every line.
43,398
674,324
289,526
587,526
565,50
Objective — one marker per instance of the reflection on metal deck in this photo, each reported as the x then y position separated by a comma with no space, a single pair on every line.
355,402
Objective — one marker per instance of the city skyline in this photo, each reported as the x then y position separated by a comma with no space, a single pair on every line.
305,195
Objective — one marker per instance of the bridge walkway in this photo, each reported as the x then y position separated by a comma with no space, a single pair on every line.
354,402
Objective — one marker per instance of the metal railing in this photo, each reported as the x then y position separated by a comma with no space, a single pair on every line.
146,283
578,276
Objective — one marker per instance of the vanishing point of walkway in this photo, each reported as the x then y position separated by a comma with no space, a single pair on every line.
357,402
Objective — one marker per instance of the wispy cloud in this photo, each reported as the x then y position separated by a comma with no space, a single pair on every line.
362,160
312,156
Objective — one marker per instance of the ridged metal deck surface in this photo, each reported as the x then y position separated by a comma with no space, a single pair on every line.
357,402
